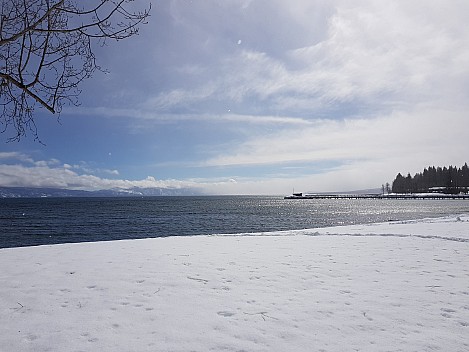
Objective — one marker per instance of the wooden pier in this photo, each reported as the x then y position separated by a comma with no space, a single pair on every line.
377,196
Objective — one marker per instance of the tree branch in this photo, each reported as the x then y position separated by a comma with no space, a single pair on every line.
21,86
33,26
46,52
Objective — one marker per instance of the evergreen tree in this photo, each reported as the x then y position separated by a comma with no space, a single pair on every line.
447,179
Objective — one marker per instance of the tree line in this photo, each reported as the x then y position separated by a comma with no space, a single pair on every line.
451,180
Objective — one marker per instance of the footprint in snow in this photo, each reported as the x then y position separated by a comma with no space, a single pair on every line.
225,313
448,310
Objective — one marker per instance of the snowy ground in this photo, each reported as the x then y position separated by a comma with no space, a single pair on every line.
398,286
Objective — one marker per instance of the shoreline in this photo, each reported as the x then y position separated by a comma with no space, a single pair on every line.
387,286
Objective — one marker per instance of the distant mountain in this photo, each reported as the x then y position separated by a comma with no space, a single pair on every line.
31,192
365,191
361,191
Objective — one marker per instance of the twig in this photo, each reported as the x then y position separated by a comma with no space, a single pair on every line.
18,308
197,279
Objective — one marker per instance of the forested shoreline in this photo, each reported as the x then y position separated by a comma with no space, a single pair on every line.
449,180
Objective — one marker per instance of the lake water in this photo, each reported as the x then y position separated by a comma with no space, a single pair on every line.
38,221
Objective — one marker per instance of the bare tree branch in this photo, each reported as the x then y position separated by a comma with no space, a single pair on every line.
46,51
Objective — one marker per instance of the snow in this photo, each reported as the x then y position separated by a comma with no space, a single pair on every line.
396,286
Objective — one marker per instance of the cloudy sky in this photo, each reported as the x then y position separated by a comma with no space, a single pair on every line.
263,96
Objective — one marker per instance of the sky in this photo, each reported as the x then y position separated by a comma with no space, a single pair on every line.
262,97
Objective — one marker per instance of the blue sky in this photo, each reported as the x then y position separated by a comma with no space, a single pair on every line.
258,97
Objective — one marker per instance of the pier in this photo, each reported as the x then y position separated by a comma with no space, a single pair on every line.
378,196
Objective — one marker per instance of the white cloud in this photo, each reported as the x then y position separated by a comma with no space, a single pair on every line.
397,142
400,66
111,172
306,57
15,156
44,163
26,172
374,55
84,167
212,117
63,177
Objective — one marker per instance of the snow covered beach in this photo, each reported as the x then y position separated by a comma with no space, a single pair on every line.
397,286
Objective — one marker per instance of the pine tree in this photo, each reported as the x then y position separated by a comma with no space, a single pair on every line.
450,179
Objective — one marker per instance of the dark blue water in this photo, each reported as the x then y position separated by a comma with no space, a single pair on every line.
37,221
